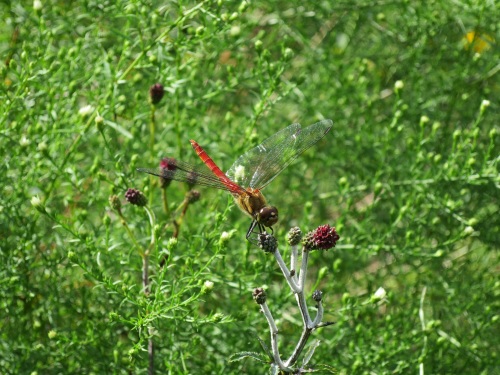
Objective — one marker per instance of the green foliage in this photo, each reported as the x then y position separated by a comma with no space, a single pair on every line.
409,176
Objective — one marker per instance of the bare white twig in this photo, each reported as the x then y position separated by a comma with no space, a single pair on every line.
303,269
319,315
274,338
294,262
421,315
289,278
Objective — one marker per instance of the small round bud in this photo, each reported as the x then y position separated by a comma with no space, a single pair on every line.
156,93
267,242
24,142
398,85
468,230
157,230
294,236
200,30
424,120
235,30
379,294
115,203
243,6
37,5
86,110
207,287
135,197
99,121
225,236
106,220
36,202
42,147
258,45
217,317
192,196
317,295
172,243
259,295
288,54
113,316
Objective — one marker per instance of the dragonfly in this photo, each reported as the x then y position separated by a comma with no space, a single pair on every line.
250,173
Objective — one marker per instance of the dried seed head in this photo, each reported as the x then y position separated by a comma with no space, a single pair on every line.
317,295
115,203
193,196
267,242
156,93
259,295
135,197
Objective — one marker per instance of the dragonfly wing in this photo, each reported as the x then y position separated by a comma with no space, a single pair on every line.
185,172
266,161
244,168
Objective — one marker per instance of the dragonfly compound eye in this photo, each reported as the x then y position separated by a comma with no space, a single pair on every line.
268,216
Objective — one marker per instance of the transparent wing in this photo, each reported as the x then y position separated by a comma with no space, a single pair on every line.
259,166
185,172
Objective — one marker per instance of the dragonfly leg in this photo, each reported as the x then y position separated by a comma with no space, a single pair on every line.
251,229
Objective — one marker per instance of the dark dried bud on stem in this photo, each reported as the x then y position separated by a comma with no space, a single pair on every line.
156,93
135,197
115,203
259,295
317,295
267,242
192,196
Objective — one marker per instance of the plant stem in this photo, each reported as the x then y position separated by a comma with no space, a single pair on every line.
303,269
274,338
165,201
289,278
146,286
294,263
152,131
300,346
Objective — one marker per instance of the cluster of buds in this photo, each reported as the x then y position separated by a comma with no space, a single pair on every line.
322,238
135,197
267,242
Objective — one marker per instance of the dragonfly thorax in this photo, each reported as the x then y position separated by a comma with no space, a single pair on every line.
253,203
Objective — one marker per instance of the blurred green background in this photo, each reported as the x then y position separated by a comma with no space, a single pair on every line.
409,176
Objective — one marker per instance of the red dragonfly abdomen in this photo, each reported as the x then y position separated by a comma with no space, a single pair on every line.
232,186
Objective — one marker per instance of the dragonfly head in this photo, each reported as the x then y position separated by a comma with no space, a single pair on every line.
268,216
